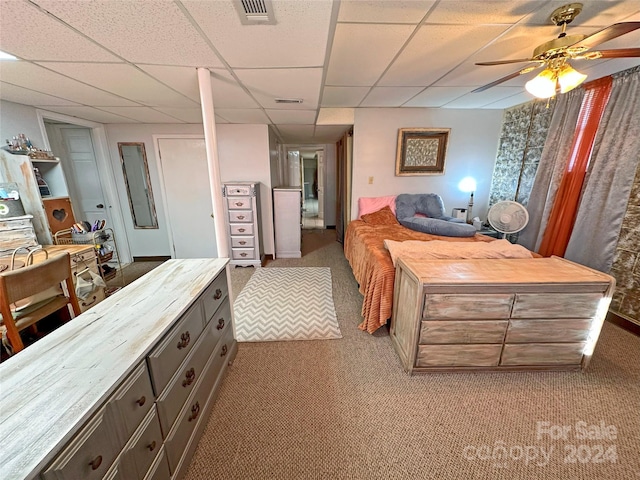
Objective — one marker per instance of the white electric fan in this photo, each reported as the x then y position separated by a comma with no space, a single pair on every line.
508,217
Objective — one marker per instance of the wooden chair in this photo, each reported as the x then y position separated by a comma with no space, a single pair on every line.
29,283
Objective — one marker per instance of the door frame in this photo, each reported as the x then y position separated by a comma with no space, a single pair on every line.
316,147
105,172
163,193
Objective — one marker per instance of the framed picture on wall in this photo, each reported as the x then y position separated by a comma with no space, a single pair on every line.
421,151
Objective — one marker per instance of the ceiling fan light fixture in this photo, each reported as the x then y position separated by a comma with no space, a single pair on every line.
543,85
569,78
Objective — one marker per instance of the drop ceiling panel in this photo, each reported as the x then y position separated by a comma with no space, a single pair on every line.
607,68
37,78
343,96
470,12
595,13
242,115
336,116
298,39
29,33
390,96
296,133
302,117
13,93
480,99
383,11
92,114
434,51
142,114
124,80
268,84
150,31
509,102
436,96
188,115
361,53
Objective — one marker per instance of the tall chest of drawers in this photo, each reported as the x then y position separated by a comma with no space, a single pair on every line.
242,207
497,314
131,385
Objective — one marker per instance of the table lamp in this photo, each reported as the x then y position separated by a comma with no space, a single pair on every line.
468,185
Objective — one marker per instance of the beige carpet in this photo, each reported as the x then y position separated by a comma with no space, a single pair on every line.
345,409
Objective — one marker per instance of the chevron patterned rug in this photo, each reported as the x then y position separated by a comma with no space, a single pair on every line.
293,303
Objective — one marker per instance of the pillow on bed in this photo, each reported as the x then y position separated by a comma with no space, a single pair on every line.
417,249
384,216
373,204
436,226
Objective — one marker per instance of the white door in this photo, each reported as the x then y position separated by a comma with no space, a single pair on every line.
320,155
187,196
81,171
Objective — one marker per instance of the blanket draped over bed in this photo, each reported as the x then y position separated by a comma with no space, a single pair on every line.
373,269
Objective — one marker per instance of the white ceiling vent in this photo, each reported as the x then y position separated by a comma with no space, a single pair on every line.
255,12
288,100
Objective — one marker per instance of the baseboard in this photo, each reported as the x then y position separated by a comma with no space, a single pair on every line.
157,258
623,323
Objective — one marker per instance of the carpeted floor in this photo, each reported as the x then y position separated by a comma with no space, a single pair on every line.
344,409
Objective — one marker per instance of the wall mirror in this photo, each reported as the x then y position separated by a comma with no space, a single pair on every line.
136,178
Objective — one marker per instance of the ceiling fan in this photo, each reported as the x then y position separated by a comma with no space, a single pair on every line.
555,55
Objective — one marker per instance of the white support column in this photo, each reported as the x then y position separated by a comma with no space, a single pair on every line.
211,143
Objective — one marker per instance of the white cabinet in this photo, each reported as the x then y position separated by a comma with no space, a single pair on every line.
287,203
242,207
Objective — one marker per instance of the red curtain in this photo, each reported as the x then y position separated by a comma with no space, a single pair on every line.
565,206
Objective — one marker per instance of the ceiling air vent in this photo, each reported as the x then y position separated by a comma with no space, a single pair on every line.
288,100
255,12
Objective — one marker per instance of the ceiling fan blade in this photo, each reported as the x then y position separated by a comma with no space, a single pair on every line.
504,79
606,34
618,53
504,62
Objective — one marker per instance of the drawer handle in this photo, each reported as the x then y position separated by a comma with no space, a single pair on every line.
240,217
93,300
242,242
241,230
239,204
224,350
220,324
141,401
195,410
243,254
190,376
96,462
218,294
152,446
185,338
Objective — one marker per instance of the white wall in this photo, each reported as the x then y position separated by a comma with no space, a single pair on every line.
243,151
16,118
471,151
330,184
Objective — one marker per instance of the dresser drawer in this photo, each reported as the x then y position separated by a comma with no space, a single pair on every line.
238,190
458,355
185,379
239,203
221,321
243,253
241,216
190,413
159,470
83,260
556,305
144,445
165,358
472,331
90,454
131,402
93,299
467,306
214,295
242,242
241,229
548,331
542,354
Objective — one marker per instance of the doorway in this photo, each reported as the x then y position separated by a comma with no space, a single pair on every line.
307,161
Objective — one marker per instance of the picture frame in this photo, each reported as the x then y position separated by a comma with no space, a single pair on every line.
421,151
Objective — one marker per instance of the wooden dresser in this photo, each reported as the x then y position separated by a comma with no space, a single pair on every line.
497,314
123,391
242,207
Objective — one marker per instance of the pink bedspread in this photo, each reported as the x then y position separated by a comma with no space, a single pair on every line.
373,269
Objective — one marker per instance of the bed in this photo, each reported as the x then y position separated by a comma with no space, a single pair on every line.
371,240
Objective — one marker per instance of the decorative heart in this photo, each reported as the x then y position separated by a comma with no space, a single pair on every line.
60,214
